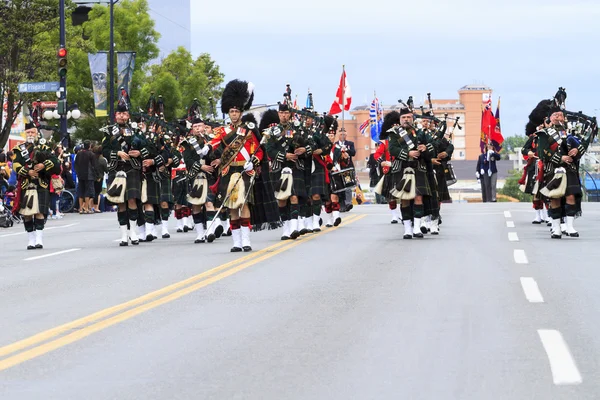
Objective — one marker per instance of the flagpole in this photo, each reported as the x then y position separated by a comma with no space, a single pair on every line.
343,96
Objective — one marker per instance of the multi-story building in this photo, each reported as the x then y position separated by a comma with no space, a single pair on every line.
465,140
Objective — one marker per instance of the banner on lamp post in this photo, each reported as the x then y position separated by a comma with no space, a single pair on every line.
98,68
125,66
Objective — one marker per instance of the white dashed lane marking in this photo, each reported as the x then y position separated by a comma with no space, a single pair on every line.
532,291
562,364
520,257
510,224
512,237
507,214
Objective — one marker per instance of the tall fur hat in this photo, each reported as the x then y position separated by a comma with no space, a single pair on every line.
330,124
538,115
390,119
237,94
267,119
249,118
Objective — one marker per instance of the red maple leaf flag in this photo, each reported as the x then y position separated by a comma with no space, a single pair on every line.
343,96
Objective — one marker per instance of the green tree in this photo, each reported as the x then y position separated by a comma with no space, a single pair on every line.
511,187
195,79
165,85
21,59
511,143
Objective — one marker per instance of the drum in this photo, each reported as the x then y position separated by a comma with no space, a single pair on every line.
449,174
342,180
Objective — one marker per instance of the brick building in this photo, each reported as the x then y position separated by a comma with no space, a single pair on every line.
466,140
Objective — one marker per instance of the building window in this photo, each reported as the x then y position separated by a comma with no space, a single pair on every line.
367,147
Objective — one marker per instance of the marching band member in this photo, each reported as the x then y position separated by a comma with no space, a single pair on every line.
319,187
336,160
383,157
34,163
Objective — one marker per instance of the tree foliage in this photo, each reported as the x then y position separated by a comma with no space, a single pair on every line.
511,143
511,186
191,79
21,59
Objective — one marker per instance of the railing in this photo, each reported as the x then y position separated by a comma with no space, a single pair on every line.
596,195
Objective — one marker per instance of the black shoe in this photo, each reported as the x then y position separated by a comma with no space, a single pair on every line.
574,234
210,238
418,235
316,230
135,242
33,247
548,223
219,231
555,236
120,244
179,230
185,228
320,221
285,238
423,229
149,238
309,231
39,246
236,249
537,222
349,207
199,241
303,232
247,248
394,221
228,232
337,221
407,236
435,233
166,236
294,235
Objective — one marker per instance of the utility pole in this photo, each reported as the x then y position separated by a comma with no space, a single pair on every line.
111,56
64,135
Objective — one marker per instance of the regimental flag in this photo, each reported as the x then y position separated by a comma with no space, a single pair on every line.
496,137
364,127
295,106
376,119
343,96
486,121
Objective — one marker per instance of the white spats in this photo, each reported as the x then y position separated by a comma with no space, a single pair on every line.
520,257
531,290
31,240
133,236
328,220
435,226
245,237
336,218
563,367
315,223
236,235
165,228
300,224
149,233
199,233
408,229
124,238
538,217
180,225
286,229
395,215
39,239
570,229
417,227
556,228
294,227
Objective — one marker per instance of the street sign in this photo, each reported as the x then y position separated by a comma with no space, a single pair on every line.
45,104
34,87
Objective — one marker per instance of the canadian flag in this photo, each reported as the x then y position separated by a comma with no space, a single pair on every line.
343,97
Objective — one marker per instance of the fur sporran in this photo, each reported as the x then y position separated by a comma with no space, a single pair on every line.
236,189
556,188
30,205
199,190
406,188
283,187
116,192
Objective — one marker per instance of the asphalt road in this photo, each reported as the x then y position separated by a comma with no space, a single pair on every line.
492,308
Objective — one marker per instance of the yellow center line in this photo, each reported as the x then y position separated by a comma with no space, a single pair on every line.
98,326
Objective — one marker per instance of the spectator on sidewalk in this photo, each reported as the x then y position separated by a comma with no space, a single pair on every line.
86,174
101,168
487,172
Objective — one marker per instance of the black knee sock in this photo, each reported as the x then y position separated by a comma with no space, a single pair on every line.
122,217
210,215
418,210
28,224
149,217
283,213
306,210
571,210
316,207
555,213
198,218
164,214
133,214
39,224
407,213
294,211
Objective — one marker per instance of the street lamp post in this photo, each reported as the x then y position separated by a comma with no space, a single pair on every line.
63,78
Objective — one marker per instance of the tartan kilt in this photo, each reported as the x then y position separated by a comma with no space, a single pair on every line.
264,212
530,183
317,181
308,177
298,187
43,200
166,193
152,190
224,184
389,182
421,181
134,184
442,185
179,188
573,183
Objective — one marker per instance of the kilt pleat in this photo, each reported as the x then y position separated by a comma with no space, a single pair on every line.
317,181
442,185
43,200
166,193
152,190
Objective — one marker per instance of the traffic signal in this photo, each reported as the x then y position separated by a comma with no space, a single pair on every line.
62,62
62,107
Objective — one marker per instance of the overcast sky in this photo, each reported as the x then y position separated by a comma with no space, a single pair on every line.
524,50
